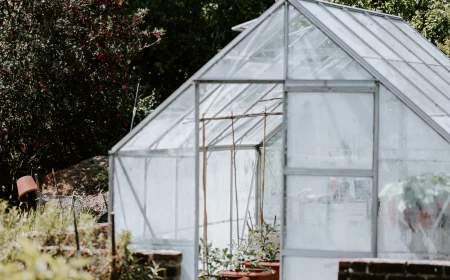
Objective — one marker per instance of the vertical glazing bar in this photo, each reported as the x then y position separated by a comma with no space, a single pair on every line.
146,163
284,128
111,187
231,200
376,129
197,176
176,197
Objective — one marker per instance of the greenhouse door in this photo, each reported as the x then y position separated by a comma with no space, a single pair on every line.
330,176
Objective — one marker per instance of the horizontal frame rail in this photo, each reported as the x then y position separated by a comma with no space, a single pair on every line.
238,81
292,171
324,254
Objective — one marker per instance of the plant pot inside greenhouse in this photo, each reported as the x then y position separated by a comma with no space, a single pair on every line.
253,275
270,266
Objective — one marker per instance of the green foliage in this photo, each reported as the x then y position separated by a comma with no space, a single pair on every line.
421,191
66,83
32,264
102,179
52,231
267,249
223,259
430,17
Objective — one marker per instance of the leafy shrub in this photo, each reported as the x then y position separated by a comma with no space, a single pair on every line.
47,240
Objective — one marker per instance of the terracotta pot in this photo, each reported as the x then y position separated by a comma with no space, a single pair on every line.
256,275
275,266
25,185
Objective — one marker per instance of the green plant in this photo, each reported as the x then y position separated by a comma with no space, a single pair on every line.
51,231
418,192
67,84
262,244
102,179
226,259
33,264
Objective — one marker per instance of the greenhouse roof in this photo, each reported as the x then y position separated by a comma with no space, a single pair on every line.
326,42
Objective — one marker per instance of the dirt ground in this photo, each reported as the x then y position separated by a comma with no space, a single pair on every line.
82,181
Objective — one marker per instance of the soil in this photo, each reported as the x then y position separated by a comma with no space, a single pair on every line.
80,180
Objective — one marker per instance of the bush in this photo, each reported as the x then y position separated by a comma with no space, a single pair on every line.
66,84
42,245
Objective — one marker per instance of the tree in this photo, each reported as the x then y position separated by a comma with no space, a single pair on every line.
66,87
430,17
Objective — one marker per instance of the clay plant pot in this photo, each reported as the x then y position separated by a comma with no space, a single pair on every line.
252,275
26,185
275,266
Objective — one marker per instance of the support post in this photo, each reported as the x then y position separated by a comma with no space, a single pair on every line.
197,177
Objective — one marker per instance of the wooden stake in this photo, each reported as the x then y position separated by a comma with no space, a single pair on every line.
235,178
113,246
77,239
205,214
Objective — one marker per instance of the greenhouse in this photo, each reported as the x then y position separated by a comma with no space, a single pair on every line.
331,121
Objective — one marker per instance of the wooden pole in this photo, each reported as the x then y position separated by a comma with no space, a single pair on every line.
235,180
113,247
77,239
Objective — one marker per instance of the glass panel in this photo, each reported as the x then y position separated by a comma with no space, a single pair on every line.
252,99
386,37
220,198
328,213
257,134
424,43
402,84
444,72
443,121
310,268
173,114
258,56
273,175
410,44
312,55
425,86
365,35
339,29
154,198
240,132
433,77
330,130
413,184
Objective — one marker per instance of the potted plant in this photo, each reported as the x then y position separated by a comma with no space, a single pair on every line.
265,245
422,201
223,264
